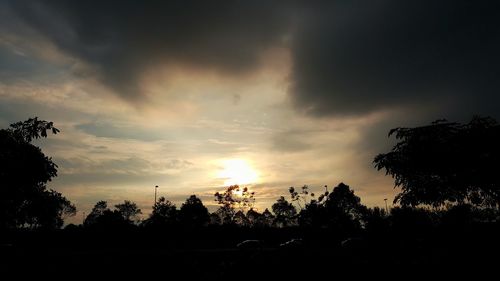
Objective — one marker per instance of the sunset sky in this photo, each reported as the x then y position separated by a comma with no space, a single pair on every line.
194,95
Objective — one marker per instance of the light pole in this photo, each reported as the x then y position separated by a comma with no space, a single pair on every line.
386,209
156,187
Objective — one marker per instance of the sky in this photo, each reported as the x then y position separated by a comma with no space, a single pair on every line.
195,95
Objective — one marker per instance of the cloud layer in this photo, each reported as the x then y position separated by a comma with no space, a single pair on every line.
349,57
123,39
353,57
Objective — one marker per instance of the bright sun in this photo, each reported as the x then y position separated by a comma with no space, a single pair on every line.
237,171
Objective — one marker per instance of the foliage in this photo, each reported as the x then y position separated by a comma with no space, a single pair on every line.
232,199
445,162
306,197
412,220
312,213
241,219
128,210
285,212
255,219
193,213
214,219
103,217
97,211
343,200
235,197
48,210
267,218
226,214
26,131
164,213
375,220
24,173
340,208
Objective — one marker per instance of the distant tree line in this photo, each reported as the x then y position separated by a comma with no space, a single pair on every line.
340,211
447,172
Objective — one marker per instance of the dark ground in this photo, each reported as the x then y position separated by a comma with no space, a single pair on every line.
211,253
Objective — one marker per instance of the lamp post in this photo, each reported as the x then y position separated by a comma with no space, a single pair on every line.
156,187
386,209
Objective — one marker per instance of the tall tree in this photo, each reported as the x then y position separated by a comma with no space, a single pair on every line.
344,208
24,173
102,217
445,162
164,213
97,211
285,212
267,218
48,210
253,217
128,210
233,199
193,213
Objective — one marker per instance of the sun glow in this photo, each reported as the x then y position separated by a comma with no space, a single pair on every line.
237,171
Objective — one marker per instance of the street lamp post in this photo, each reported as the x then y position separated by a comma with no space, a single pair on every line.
386,209
156,187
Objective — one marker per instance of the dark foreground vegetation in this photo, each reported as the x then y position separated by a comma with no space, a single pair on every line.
211,252
446,219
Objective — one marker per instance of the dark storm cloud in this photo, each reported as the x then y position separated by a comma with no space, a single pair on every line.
121,39
353,57
349,57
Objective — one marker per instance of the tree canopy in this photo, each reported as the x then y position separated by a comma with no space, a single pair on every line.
445,162
123,215
164,213
193,213
285,212
128,210
24,173
234,198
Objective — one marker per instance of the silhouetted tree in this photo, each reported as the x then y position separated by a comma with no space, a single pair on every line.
285,212
48,210
24,174
412,221
193,213
466,215
313,214
102,217
128,210
26,131
234,198
240,219
111,220
214,219
226,214
376,220
267,218
344,208
446,162
164,214
303,196
253,217
97,211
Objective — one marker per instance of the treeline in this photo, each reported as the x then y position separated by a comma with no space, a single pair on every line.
339,210
447,173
